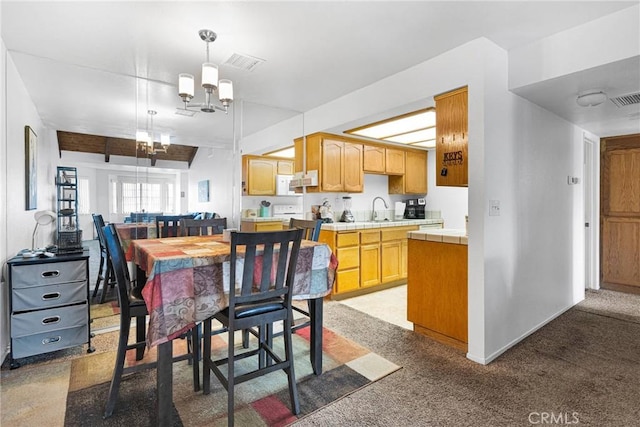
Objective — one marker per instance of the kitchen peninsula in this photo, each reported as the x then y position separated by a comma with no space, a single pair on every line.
437,285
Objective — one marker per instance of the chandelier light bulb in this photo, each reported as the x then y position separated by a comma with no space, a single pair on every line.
186,86
225,91
209,76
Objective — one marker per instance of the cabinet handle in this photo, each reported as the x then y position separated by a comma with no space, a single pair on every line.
52,295
51,340
50,320
50,274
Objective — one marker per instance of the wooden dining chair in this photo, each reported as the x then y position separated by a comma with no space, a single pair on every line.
133,306
169,225
311,227
202,227
105,271
257,302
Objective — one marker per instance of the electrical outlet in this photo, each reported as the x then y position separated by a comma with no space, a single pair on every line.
494,207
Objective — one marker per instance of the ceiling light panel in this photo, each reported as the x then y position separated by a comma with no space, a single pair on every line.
395,128
413,137
426,144
288,152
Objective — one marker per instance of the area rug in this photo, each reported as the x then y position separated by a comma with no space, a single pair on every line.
80,386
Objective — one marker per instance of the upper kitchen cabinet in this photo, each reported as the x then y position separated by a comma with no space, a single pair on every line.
382,160
452,138
338,162
414,180
259,174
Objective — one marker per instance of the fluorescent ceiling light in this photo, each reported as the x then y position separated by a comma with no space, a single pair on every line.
426,144
288,153
410,128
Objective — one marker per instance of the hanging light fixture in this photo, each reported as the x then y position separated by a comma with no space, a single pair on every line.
144,138
210,83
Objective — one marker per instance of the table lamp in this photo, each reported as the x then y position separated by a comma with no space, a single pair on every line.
45,217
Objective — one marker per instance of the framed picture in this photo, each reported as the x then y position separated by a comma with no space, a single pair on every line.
31,168
203,191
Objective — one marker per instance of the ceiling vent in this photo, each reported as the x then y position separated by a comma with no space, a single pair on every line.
243,62
624,100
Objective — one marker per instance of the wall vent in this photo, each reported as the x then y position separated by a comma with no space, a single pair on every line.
243,62
624,100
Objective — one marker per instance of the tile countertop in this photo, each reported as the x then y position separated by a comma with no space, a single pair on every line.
358,225
444,235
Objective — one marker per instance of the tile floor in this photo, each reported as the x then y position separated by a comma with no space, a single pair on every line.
389,305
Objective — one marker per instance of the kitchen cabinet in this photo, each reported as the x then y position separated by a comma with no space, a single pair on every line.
259,174
452,138
382,160
414,180
391,259
369,258
48,304
346,246
275,225
337,160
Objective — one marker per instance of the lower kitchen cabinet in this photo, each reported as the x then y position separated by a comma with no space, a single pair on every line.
275,225
48,304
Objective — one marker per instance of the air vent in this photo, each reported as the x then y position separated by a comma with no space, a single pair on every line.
244,62
624,100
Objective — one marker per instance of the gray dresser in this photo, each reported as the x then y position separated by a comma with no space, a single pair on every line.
49,304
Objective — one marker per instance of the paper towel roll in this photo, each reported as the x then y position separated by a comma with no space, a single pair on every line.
399,210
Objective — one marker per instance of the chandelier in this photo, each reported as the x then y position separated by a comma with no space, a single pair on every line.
144,138
210,83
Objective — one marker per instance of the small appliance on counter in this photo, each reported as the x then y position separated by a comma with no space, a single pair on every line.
347,216
415,208
326,214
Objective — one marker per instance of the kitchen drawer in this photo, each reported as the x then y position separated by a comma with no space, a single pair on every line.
348,257
347,239
396,234
368,237
23,276
347,280
37,297
34,322
49,341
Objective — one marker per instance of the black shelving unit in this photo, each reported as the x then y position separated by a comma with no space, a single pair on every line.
69,236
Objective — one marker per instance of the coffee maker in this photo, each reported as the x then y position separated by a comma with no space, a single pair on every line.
415,208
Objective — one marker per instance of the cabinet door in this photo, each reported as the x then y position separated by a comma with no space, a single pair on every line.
332,167
374,159
262,177
391,254
416,172
369,265
285,167
353,176
404,255
394,161
452,138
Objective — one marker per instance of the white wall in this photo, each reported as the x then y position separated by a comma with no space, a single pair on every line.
4,162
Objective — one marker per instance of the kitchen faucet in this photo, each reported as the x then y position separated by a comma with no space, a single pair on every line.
374,215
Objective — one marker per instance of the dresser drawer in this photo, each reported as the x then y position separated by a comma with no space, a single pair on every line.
23,276
37,297
49,341
34,322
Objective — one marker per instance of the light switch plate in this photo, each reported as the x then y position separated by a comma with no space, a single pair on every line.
494,207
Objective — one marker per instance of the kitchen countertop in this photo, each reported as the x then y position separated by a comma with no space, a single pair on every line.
340,226
443,235
265,219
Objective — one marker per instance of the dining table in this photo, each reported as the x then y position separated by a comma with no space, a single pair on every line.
129,231
186,281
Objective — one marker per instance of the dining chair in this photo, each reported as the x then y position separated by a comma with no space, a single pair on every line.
132,305
105,271
311,227
257,301
202,227
169,225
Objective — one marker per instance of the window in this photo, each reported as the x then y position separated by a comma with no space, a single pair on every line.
84,205
153,195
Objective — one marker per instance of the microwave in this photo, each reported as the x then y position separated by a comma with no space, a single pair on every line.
282,185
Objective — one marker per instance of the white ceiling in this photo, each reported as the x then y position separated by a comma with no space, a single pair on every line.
96,67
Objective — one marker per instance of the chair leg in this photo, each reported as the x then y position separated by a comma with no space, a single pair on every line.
206,357
108,281
245,338
195,356
125,324
288,348
95,289
141,335
231,377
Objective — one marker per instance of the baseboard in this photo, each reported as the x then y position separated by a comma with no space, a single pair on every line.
493,356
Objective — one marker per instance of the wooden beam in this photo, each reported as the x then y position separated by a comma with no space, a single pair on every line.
107,146
194,151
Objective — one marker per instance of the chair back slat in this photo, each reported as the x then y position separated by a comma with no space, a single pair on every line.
263,250
98,221
120,268
202,227
169,225
311,228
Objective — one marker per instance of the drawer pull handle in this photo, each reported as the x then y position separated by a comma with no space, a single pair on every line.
51,340
50,274
52,295
50,320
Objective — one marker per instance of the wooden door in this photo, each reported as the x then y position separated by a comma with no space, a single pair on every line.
620,213
332,167
415,172
353,175
285,167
